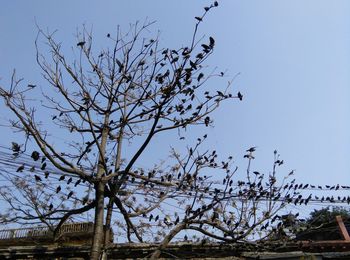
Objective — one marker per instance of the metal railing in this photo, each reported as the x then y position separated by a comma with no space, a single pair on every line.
37,232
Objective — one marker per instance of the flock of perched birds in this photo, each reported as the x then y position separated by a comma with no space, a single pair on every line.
290,192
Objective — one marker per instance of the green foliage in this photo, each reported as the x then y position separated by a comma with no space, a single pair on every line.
326,215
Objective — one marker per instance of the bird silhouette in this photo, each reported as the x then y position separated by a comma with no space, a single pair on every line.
200,76
43,166
177,220
85,200
70,194
16,147
35,155
167,220
211,42
249,156
207,121
81,44
251,149
20,168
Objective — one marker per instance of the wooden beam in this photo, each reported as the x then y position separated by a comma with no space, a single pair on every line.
343,230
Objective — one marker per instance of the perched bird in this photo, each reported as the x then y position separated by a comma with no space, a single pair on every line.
249,156
69,194
211,39
81,44
77,183
85,200
35,155
58,189
251,149
20,168
207,121
16,147
200,76
177,220
37,178
240,96
167,220
43,166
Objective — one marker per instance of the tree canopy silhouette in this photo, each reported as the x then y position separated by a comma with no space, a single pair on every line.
131,92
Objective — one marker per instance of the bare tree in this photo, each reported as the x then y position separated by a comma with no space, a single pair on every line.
131,92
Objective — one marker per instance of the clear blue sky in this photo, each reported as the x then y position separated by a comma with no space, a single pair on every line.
293,58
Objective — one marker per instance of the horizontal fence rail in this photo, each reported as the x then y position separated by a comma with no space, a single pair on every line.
42,232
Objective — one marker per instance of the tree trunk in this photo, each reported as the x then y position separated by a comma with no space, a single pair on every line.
98,237
108,226
113,190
